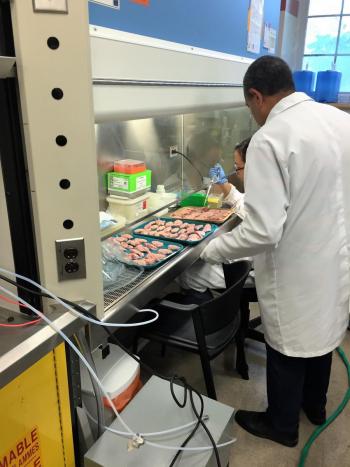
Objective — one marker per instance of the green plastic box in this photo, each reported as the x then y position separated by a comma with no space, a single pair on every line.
196,199
129,183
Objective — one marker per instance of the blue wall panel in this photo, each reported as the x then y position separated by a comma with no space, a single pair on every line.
219,25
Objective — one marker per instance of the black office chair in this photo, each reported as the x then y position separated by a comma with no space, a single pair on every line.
205,329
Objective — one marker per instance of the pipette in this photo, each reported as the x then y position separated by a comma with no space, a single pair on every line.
212,181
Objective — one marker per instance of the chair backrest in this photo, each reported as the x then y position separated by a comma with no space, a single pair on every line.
219,312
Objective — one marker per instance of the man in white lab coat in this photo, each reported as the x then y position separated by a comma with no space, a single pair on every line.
297,227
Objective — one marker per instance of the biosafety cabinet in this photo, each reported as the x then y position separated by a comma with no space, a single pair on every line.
75,98
88,96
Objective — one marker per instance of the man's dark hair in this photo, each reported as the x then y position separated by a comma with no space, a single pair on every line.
269,75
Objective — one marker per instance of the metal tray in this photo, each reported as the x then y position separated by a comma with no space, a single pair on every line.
149,239
175,240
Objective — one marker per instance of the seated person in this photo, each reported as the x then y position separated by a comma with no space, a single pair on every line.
201,277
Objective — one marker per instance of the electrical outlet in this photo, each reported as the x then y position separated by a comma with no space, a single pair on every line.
70,254
172,150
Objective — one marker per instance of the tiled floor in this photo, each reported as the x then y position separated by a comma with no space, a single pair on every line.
332,448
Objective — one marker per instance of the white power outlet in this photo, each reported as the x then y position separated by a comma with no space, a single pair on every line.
172,150
70,254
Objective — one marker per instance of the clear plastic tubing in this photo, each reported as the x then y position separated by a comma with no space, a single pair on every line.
154,433
77,313
80,355
130,433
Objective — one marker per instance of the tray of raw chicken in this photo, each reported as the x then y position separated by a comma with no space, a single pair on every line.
145,252
203,214
187,232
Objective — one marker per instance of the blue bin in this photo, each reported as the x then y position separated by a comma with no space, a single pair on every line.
304,81
327,86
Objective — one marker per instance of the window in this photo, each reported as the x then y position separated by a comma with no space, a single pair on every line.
328,38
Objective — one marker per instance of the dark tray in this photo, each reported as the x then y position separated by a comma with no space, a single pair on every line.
175,240
149,240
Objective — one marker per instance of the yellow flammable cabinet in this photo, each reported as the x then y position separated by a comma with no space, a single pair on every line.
36,428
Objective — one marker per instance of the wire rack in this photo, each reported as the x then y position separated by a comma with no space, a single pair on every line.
127,281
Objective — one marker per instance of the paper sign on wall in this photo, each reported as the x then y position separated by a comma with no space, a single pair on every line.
272,40
270,37
255,21
266,36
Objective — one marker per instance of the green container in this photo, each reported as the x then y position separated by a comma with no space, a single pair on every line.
129,183
196,199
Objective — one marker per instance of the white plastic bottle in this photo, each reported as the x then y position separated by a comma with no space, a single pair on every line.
160,189
160,198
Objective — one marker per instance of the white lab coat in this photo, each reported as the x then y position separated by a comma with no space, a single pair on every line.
297,224
202,275
235,199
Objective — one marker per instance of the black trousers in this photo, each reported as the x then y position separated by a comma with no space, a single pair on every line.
292,383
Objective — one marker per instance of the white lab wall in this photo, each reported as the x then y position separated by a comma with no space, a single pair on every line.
292,35
289,25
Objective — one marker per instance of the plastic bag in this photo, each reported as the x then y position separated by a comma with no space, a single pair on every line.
114,263
111,270
106,220
111,251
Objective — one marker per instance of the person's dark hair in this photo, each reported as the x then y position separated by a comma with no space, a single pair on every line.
242,148
269,75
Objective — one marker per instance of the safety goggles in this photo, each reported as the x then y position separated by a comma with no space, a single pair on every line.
237,169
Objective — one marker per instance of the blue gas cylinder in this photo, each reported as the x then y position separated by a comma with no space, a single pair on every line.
304,81
327,86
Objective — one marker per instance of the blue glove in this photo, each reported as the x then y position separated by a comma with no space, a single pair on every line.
217,174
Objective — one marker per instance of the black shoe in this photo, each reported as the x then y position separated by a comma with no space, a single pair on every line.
258,424
316,417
